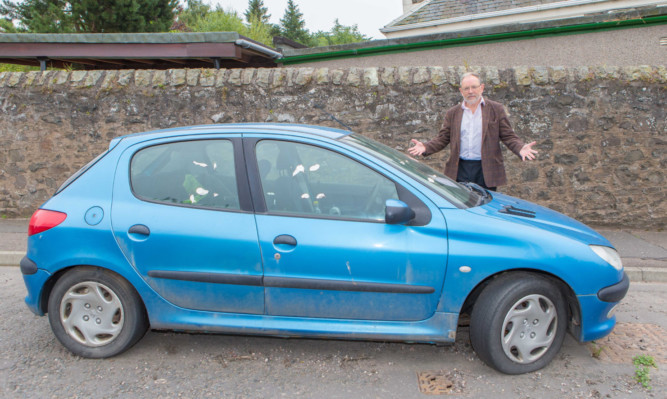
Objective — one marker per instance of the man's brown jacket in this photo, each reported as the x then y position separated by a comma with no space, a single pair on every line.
496,127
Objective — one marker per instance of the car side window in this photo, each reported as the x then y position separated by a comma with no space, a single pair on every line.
308,180
194,173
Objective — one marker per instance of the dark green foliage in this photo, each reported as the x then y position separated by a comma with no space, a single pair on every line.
39,16
90,16
257,11
293,25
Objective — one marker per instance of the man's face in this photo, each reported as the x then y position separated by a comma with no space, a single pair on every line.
471,90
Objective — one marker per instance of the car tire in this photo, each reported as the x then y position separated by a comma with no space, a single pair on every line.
95,313
518,323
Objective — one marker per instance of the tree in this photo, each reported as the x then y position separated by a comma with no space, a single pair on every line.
219,20
257,10
259,31
339,34
90,16
38,16
293,25
199,17
187,16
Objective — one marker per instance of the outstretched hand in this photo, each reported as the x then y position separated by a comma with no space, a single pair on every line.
527,151
418,148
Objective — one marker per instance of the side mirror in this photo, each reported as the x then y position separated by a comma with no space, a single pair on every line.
397,212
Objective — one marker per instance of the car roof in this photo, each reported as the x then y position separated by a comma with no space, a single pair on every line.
284,128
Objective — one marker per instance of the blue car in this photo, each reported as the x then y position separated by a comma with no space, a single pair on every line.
305,231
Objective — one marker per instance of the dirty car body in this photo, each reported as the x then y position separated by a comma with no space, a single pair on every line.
305,231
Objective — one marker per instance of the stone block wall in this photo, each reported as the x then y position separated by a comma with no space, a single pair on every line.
601,131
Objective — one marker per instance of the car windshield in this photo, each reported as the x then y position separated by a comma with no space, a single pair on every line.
459,195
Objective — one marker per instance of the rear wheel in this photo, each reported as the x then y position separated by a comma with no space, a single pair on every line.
518,323
95,313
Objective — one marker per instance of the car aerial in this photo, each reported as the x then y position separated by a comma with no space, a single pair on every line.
306,231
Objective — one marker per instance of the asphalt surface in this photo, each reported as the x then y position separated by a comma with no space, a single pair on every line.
169,364
644,253
163,364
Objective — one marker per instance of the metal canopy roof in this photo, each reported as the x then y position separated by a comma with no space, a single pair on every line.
136,50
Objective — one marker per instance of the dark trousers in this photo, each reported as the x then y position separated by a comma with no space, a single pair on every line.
471,171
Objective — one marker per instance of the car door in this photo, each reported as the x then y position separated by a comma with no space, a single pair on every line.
181,217
326,249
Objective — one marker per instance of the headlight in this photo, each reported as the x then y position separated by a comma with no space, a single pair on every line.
609,255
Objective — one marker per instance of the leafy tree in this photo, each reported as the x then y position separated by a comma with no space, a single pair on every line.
339,34
90,16
187,16
220,20
293,25
259,31
199,17
257,10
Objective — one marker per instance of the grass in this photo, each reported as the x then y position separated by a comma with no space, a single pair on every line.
596,350
643,364
17,68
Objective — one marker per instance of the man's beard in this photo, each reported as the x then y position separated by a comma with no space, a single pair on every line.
472,101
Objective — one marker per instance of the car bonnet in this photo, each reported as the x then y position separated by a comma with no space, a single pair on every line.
527,213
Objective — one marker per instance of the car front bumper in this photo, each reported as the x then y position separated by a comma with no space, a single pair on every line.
597,311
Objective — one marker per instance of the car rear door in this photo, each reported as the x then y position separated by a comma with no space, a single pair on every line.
326,249
182,216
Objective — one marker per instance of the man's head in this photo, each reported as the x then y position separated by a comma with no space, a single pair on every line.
471,88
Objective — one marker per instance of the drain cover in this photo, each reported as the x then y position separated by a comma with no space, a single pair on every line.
629,340
440,382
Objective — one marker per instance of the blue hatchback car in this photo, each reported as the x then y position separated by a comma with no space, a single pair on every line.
292,230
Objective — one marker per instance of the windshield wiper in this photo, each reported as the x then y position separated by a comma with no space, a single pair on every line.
483,194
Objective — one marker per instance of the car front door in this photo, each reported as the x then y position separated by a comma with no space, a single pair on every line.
180,217
326,249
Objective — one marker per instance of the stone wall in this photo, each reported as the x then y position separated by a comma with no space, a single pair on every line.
601,131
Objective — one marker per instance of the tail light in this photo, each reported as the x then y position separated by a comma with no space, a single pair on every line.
43,220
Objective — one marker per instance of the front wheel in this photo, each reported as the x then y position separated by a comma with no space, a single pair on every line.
95,313
518,323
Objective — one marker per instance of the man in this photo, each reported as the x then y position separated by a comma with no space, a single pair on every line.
475,129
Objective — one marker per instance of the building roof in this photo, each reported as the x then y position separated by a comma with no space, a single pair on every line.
434,10
432,16
136,50
595,22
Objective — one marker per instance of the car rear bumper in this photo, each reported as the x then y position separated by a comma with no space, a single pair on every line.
34,279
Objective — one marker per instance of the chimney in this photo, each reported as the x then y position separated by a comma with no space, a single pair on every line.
409,5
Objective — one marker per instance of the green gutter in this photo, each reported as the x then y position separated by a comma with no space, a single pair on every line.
465,41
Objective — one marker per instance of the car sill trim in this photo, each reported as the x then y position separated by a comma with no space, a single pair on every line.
337,285
215,278
287,282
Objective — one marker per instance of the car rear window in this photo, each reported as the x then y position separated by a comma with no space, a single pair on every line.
198,173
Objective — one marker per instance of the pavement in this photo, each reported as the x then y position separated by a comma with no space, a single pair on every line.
644,253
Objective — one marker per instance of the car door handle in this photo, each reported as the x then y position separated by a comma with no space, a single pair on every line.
139,229
284,239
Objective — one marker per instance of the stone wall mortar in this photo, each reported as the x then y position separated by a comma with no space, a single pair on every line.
601,130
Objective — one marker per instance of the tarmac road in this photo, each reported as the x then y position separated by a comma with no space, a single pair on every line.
174,365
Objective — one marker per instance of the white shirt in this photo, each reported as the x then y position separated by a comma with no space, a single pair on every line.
471,133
